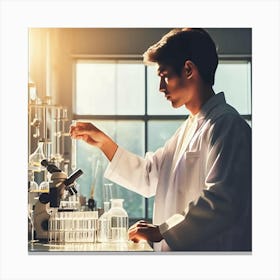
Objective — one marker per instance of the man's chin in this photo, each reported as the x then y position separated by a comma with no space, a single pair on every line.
176,105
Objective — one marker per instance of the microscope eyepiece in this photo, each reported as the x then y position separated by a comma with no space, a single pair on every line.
44,162
50,167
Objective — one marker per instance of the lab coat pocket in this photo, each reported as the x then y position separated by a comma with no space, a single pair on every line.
192,154
192,169
192,165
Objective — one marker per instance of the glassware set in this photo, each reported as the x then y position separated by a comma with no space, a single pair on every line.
75,226
85,226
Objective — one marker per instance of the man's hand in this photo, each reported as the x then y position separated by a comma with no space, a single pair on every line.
144,231
95,137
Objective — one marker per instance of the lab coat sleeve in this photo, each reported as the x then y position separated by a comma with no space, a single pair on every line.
134,172
227,189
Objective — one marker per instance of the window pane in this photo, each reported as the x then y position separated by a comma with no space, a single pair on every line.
104,88
128,134
157,103
130,95
234,79
158,133
249,122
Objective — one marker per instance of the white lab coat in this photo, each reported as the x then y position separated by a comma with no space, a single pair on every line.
202,188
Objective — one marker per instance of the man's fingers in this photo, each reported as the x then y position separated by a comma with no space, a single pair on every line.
82,124
135,240
136,235
138,225
132,234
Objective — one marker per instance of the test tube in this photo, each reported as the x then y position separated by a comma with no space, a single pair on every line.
55,228
73,152
107,192
50,229
67,226
63,130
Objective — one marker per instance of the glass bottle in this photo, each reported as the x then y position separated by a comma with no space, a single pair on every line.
118,221
104,225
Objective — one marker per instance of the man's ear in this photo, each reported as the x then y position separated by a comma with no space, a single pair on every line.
189,68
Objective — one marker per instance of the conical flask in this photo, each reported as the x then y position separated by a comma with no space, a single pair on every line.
36,158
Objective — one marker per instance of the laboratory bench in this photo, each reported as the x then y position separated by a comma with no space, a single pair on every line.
129,246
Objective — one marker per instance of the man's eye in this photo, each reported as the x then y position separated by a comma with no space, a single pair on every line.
164,78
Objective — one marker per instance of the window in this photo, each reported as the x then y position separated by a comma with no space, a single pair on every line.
234,78
122,98
120,83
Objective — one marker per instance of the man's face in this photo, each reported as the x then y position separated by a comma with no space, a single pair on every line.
175,88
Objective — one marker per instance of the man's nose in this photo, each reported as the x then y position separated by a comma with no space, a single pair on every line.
162,85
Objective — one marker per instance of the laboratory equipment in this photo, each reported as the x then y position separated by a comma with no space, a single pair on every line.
36,123
36,158
34,165
91,201
118,221
107,192
51,168
47,137
104,233
47,123
31,221
32,184
73,154
61,188
59,184
75,226
44,186
32,92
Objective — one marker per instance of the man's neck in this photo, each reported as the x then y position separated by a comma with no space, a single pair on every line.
203,95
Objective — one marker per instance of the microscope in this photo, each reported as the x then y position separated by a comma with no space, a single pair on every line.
61,188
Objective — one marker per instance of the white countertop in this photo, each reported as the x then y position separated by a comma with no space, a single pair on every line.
129,246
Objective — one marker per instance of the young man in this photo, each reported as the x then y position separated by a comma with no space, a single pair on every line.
201,177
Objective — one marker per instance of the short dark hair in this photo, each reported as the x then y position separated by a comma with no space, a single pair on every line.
181,44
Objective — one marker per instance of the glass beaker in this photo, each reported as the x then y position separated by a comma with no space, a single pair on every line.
118,221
